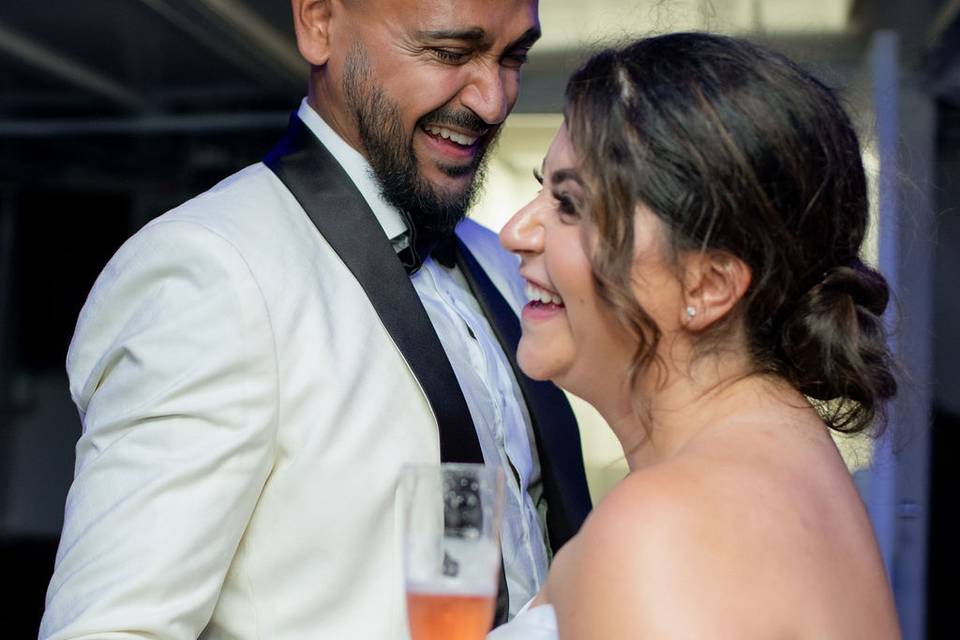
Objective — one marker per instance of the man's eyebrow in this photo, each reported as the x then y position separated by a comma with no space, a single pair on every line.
529,37
477,35
473,34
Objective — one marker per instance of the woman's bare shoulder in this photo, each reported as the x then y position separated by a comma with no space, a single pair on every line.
688,548
622,575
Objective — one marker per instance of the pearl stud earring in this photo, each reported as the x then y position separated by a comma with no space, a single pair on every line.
691,312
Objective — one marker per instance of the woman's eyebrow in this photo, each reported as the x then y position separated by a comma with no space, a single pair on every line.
562,175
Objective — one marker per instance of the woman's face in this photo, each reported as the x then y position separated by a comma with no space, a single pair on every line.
569,335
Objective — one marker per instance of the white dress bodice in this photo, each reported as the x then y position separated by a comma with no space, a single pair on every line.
536,623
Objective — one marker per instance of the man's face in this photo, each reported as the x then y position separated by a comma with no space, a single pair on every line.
421,88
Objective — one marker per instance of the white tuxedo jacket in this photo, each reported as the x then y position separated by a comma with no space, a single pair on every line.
245,417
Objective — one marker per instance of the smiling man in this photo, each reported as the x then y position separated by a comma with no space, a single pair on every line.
254,368
420,89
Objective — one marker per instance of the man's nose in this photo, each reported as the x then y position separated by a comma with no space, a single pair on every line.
486,94
523,232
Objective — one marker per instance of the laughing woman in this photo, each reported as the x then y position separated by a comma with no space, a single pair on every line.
698,232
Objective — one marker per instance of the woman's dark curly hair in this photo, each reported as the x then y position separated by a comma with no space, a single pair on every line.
736,148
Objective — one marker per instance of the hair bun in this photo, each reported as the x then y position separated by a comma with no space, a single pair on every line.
834,344
866,286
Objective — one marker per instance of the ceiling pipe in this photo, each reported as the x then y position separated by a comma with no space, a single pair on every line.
57,64
277,48
150,125
214,42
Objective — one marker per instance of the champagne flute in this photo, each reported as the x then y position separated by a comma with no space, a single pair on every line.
451,546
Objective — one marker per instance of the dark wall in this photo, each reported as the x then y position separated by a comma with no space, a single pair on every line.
946,364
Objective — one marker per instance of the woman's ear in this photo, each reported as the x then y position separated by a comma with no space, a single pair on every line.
714,282
311,20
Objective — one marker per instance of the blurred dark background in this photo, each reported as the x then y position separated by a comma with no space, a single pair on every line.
113,111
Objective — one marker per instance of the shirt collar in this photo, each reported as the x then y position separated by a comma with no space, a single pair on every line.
359,171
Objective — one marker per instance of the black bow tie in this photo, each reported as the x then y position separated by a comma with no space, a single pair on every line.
443,249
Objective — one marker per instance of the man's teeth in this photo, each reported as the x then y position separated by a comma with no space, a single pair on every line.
453,136
536,294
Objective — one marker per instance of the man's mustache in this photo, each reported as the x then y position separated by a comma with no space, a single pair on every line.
462,118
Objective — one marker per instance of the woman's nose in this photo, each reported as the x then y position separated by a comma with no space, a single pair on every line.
523,233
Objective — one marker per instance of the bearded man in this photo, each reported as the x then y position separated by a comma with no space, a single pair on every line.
254,368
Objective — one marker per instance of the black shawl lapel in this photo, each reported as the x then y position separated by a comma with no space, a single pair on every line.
344,219
554,425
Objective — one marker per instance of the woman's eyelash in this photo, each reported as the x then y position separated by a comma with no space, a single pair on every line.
567,206
566,203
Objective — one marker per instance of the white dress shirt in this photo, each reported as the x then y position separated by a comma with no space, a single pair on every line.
485,376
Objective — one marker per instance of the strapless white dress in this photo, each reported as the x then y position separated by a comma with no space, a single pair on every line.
537,623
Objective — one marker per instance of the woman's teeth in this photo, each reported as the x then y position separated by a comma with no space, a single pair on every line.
538,294
452,136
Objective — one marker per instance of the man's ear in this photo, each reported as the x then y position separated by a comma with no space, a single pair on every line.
311,20
714,282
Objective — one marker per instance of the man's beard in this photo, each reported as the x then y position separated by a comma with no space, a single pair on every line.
431,210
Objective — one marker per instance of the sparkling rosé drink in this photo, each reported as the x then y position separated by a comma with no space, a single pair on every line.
451,549
440,615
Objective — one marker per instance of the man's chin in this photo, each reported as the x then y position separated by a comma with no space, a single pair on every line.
450,183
